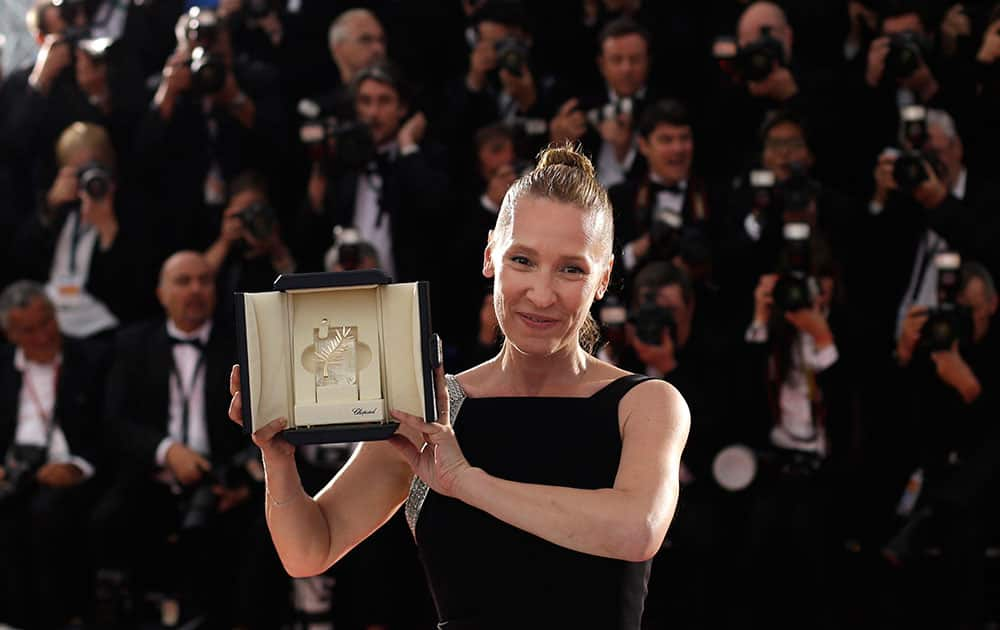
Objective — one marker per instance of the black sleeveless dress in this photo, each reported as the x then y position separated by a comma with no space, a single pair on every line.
484,573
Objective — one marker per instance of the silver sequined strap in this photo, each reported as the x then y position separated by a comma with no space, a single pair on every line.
418,489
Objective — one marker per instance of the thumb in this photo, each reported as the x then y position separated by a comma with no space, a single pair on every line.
202,463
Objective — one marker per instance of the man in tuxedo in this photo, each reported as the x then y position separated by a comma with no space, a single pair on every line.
51,388
166,410
606,120
391,196
665,213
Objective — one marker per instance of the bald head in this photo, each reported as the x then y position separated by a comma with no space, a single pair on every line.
187,290
761,15
357,40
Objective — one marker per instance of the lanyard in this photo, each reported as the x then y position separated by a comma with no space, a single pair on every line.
75,242
186,394
48,417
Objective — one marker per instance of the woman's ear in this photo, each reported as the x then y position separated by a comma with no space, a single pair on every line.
488,269
605,281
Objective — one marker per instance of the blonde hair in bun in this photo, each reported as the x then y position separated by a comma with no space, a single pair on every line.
565,175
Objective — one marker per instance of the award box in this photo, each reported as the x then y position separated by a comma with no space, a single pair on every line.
333,353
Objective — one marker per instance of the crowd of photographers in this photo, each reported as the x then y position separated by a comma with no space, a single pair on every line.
806,246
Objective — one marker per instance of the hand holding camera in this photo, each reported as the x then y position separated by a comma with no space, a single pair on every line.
500,181
989,51
909,335
65,189
520,84
186,465
54,56
569,123
412,131
877,53
812,322
482,61
779,85
952,369
763,299
617,132
660,355
59,475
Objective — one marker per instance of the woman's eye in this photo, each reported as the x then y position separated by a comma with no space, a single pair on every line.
573,269
520,260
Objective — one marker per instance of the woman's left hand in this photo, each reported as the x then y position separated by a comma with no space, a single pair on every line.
439,462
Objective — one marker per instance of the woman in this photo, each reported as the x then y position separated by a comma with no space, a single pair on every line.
550,482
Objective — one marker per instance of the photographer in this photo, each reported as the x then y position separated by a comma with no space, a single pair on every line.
500,84
82,241
378,178
249,253
953,425
800,410
666,213
468,319
52,390
74,78
606,119
673,333
760,75
179,476
214,115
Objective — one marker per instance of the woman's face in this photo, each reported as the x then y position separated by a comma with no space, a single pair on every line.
547,269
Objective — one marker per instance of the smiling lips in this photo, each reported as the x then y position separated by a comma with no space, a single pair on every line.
537,321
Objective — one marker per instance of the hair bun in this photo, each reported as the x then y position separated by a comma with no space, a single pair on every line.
566,155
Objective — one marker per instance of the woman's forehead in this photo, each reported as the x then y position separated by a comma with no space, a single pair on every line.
544,223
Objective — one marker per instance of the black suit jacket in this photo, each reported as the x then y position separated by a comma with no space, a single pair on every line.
414,195
138,393
79,397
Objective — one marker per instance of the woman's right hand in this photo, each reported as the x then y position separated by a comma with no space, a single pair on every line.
268,438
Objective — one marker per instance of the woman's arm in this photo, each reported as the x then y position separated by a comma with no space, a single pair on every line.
310,534
627,521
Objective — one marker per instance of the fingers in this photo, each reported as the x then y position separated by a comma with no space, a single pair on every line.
441,388
236,409
430,430
267,432
568,106
234,380
203,464
405,448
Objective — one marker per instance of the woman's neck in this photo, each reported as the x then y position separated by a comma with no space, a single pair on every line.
530,375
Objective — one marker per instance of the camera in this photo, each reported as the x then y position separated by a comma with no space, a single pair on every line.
756,60
762,193
948,322
906,53
512,55
908,170
353,145
20,465
650,320
347,249
201,503
94,179
665,233
70,12
795,289
799,190
258,218
208,71
611,111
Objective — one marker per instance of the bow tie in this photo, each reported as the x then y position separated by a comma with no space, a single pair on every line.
657,188
380,164
197,344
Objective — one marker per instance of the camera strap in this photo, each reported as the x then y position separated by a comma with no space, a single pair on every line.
47,415
186,394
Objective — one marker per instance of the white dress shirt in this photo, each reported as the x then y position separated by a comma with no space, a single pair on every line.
35,410
665,200
922,288
366,215
185,360
796,428
609,170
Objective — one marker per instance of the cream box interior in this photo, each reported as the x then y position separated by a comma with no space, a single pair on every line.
335,355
